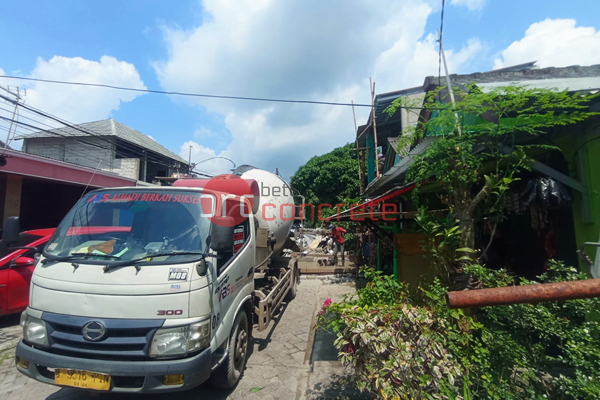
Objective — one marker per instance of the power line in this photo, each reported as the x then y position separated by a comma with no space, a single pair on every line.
212,96
86,132
15,114
123,155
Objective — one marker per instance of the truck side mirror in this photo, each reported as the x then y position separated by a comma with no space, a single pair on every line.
10,233
222,234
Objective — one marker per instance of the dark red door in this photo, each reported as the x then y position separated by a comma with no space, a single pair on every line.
3,289
18,287
18,280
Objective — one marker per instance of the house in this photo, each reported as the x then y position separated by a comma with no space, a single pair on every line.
524,241
107,145
41,191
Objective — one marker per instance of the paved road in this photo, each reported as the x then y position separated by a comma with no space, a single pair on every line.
276,365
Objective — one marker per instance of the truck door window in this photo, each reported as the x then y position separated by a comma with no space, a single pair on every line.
241,235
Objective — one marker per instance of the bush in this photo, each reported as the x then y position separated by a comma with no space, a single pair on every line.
397,349
547,350
411,346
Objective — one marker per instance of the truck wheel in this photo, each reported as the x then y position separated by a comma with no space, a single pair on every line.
229,373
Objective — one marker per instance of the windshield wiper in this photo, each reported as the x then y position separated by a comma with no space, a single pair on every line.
149,257
76,256
88,255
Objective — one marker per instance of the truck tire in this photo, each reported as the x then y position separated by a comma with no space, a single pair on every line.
230,371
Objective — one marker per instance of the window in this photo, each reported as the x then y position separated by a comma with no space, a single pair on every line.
241,235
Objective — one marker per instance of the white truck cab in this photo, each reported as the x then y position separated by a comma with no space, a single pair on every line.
155,289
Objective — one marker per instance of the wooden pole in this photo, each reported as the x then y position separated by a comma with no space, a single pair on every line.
360,181
449,85
372,84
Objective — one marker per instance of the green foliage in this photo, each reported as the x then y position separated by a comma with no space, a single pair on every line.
547,349
398,346
443,241
476,153
406,345
329,179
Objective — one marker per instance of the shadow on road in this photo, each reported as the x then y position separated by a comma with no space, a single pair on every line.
204,391
10,320
263,343
338,387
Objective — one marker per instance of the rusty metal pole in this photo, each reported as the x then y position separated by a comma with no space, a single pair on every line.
586,289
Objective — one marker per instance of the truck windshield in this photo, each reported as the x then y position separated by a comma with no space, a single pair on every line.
120,225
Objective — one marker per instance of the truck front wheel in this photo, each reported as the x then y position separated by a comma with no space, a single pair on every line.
229,373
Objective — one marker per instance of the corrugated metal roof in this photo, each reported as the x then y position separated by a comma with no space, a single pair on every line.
109,127
395,175
383,101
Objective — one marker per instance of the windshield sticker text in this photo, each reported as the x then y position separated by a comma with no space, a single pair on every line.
152,197
178,274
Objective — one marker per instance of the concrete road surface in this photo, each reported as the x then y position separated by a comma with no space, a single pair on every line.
278,366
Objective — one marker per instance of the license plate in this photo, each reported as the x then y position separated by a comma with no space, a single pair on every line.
81,379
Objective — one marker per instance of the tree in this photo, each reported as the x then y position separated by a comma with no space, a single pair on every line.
482,142
329,178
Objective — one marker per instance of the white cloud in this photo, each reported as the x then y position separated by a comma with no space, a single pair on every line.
554,43
472,5
79,104
203,133
288,50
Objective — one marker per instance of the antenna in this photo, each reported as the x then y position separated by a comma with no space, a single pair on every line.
16,92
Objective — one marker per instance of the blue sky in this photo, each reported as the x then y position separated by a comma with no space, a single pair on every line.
295,50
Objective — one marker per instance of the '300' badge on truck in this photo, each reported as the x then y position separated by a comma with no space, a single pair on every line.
178,274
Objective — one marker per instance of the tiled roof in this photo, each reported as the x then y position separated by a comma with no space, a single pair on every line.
574,77
109,127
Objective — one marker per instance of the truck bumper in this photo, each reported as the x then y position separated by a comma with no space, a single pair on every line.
126,376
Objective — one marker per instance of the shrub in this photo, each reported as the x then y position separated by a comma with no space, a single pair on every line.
408,345
547,350
397,349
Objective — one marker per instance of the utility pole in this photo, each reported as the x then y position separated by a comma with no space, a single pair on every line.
448,84
15,112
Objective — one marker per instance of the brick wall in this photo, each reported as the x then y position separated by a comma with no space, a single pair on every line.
126,167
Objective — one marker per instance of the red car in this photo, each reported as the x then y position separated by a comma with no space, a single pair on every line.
16,268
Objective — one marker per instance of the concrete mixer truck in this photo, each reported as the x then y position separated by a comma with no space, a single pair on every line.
157,289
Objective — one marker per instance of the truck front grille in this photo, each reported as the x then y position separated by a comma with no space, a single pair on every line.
124,339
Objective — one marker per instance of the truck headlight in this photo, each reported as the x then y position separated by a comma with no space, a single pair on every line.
171,342
34,330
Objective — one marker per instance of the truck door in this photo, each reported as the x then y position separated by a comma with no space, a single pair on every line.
233,274
3,287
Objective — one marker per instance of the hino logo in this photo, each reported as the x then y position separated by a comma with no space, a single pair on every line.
94,331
